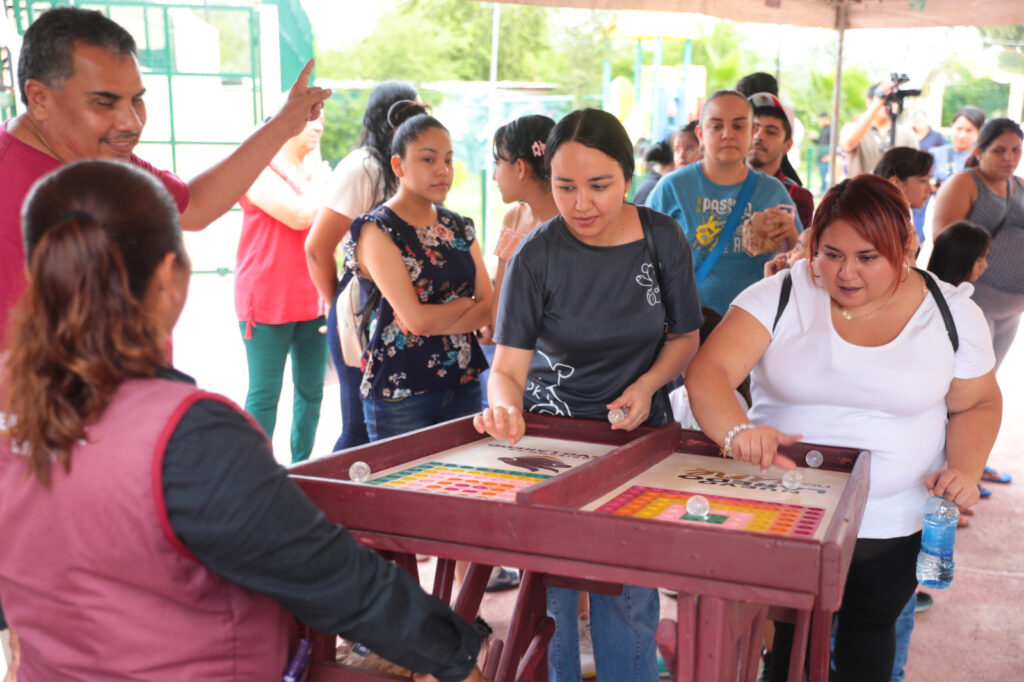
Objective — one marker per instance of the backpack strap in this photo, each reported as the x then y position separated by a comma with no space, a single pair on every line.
940,301
787,289
746,191
652,248
933,289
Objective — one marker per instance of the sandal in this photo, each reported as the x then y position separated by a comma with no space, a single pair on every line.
984,492
990,475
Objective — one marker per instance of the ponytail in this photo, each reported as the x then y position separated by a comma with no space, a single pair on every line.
79,329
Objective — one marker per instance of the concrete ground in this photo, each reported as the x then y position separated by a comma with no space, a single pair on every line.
973,633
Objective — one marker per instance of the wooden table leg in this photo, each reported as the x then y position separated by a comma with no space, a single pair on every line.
686,638
798,653
821,646
467,603
529,611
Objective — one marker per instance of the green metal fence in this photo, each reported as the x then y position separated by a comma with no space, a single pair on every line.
151,26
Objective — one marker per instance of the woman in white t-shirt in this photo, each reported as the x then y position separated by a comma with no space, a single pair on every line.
361,182
860,357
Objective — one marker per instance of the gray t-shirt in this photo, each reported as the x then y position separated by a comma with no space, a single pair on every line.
594,315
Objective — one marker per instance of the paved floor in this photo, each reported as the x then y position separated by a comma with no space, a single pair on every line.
973,633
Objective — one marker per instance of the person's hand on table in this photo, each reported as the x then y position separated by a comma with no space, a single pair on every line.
955,486
760,445
501,422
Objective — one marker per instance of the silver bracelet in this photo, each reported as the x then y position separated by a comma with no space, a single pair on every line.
727,443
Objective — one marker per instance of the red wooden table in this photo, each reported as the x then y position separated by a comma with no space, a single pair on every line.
546,532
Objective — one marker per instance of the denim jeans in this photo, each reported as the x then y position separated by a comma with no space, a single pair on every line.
265,353
353,429
387,418
904,628
622,628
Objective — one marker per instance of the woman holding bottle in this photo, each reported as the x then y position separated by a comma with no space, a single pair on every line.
860,357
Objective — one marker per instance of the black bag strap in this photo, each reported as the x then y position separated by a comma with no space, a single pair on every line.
933,289
661,395
787,289
940,301
652,248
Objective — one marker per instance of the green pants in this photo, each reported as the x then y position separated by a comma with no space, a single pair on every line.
265,353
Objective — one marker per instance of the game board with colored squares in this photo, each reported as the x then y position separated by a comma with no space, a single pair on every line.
460,479
728,512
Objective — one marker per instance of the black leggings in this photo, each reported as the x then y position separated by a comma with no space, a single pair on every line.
881,581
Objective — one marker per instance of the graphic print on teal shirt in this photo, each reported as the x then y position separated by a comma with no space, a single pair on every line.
702,208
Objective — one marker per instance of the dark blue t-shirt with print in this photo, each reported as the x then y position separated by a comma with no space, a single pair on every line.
594,315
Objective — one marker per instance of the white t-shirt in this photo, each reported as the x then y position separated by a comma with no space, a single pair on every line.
350,189
888,400
679,399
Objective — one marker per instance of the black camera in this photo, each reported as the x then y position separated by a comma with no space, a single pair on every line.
897,94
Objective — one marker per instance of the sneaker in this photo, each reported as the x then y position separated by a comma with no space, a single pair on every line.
502,579
924,602
587,668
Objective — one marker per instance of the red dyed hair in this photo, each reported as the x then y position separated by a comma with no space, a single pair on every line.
874,207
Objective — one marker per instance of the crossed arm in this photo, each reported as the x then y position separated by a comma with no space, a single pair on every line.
379,258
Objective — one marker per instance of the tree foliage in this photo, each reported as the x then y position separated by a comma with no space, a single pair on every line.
423,40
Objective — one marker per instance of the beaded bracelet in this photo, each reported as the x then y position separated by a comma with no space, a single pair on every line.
727,443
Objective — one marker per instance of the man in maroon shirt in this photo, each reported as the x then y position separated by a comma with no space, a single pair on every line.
773,138
82,89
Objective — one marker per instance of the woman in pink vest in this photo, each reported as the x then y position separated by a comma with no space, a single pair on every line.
148,533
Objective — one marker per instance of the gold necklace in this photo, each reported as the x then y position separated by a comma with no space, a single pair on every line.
846,313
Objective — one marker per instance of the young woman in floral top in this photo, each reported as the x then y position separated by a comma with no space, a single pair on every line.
422,363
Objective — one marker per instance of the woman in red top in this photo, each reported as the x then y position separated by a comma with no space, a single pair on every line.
277,305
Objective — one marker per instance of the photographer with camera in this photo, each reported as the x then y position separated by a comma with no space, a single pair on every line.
866,138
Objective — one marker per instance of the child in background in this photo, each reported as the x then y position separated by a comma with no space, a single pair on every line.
960,253
685,145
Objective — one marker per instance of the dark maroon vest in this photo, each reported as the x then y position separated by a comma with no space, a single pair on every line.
93,578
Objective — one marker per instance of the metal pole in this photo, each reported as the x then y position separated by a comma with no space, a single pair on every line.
492,115
837,88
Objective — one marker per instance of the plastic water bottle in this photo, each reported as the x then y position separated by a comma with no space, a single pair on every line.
935,561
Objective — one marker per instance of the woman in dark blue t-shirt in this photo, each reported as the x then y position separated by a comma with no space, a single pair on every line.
422,363
581,320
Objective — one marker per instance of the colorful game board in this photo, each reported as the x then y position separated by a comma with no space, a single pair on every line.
461,479
741,496
728,512
490,469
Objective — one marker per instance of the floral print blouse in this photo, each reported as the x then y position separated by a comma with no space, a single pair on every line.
441,269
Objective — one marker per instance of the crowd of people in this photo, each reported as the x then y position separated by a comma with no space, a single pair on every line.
844,340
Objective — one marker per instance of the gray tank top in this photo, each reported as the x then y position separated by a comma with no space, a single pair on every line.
1006,260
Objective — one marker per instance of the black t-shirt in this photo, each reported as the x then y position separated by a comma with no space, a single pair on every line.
594,315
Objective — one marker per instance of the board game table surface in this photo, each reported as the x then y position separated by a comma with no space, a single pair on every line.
575,498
